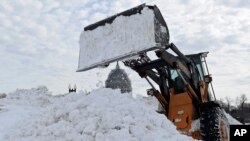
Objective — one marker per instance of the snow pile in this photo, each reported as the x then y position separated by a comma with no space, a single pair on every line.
125,36
102,115
231,120
39,96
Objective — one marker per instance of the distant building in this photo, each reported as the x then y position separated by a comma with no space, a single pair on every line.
2,95
118,79
72,89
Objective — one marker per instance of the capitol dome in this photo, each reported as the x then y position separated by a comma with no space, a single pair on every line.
118,79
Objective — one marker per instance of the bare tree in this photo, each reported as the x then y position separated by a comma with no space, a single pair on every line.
242,101
228,103
241,104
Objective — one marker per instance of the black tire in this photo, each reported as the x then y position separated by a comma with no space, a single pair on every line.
214,125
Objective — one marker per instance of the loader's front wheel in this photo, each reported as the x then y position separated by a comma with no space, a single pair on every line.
214,125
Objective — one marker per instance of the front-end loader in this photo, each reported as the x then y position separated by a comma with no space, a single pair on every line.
181,83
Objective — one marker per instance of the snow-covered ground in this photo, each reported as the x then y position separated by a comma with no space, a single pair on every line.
102,115
232,120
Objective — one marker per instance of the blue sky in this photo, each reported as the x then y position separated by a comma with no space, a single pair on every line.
39,41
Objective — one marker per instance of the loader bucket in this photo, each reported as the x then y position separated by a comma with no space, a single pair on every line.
122,36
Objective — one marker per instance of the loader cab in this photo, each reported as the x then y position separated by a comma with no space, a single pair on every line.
199,61
182,107
200,67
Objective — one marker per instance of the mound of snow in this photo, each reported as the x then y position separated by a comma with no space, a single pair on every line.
102,115
231,120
